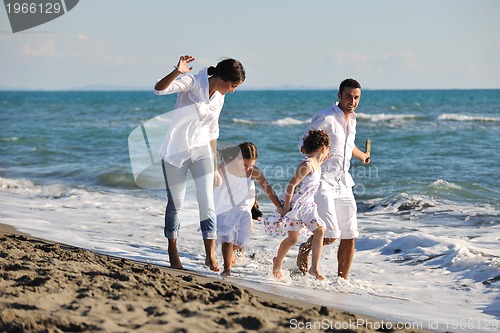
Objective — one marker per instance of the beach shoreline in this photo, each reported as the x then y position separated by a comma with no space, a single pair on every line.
52,287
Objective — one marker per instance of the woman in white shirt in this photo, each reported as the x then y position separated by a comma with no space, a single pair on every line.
191,144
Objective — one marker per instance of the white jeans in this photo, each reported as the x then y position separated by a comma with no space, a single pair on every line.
337,208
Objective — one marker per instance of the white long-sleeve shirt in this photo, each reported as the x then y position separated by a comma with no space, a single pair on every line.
195,120
335,170
194,89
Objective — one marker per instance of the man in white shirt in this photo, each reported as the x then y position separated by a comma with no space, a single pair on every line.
335,198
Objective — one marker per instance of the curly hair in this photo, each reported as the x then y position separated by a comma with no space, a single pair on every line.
315,139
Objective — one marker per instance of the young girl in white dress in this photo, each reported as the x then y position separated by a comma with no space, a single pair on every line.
299,212
235,198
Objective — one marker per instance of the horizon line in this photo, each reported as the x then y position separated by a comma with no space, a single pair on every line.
97,88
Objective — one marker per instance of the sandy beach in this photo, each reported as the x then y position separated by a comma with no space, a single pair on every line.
51,287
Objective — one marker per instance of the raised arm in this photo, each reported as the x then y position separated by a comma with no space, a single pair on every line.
182,67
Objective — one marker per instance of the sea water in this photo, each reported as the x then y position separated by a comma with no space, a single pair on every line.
428,204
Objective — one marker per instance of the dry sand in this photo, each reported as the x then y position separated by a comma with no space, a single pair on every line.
51,287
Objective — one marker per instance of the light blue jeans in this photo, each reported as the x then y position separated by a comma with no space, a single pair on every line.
175,180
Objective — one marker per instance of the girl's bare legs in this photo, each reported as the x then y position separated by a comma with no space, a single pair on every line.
304,249
235,248
173,254
227,254
210,250
317,248
285,246
303,254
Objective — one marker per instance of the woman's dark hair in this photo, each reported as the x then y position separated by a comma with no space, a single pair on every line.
315,139
228,70
247,149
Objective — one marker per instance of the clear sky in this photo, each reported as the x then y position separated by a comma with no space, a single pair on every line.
384,44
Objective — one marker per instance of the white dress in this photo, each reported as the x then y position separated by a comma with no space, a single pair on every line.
234,200
303,216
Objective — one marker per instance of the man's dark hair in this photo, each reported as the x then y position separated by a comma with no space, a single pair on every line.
348,83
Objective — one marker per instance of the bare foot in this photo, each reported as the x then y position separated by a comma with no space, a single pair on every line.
277,269
303,258
173,255
175,262
177,266
226,272
233,259
316,274
212,264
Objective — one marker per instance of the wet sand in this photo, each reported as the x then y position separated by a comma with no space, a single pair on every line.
52,287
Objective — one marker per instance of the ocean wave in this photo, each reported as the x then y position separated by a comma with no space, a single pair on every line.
443,184
449,253
376,118
14,138
384,117
388,117
288,121
434,207
401,203
28,188
461,191
244,121
464,118
118,179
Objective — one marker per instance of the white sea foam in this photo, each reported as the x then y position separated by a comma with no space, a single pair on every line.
401,203
430,274
377,118
440,183
460,117
14,138
244,121
414,206
27,188
290,121
280,122
386,117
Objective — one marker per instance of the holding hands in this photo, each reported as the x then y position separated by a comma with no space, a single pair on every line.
283,210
